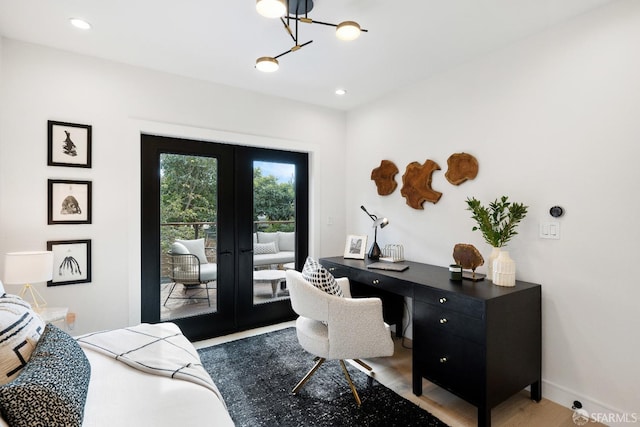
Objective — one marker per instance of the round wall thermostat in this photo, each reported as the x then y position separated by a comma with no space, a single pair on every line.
556,211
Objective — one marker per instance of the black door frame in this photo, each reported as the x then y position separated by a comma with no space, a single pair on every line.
235,311
250,315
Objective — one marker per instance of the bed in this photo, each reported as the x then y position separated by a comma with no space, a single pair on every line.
128,390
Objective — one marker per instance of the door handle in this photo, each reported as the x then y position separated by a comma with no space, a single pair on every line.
225,253
244,251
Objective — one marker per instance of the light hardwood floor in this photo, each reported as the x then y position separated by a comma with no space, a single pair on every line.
395,373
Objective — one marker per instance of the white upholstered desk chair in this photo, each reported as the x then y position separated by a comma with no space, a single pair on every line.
333,327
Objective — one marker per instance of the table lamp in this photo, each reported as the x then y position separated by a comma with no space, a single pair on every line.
375,252
26,268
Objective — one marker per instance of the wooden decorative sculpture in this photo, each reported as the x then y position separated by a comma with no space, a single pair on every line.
383,176
416,184
469,258
461,167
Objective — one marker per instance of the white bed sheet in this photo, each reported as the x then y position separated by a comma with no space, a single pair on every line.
123,396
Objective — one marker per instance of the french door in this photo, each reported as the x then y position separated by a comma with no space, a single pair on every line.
242,210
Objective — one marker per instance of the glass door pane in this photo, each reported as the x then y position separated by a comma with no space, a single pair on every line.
272,216
188,235
274,229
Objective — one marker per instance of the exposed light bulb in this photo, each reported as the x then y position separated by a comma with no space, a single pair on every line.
271,8
267,64
341,92
348,30
80,23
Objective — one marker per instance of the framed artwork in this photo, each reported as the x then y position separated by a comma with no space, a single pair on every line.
71,262
355,247
69,144
69,202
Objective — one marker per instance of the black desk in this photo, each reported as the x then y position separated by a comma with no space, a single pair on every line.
480,341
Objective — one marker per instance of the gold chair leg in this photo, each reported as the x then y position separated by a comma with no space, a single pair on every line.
313,370
364,365
353,388
368,368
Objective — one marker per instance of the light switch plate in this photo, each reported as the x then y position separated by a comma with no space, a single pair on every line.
550,230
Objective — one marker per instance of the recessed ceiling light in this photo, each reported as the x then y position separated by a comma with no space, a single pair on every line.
80,23
341,92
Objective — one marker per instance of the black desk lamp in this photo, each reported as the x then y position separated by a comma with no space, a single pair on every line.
375,252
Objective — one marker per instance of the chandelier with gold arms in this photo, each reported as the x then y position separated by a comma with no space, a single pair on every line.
297,11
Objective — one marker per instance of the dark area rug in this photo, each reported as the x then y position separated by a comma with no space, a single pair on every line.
255,375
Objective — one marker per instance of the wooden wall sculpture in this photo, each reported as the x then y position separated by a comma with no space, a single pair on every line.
383,176
461,167
416,184
416,181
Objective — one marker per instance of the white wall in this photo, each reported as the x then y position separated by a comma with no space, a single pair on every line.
120,102
551,120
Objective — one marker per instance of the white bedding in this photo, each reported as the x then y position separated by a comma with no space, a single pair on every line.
158,349
123,396
149,375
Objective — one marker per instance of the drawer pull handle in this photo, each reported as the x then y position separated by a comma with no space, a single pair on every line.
442,300
443,320
443,360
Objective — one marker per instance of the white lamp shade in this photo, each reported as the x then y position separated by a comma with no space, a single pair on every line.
382,222
348,30
21,268
271,8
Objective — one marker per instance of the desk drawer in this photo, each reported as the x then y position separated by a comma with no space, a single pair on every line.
453,363
375,279
439,320
337,271
450,301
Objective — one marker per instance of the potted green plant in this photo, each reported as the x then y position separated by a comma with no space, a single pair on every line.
497,223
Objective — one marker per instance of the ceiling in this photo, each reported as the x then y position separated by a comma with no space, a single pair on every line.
219,41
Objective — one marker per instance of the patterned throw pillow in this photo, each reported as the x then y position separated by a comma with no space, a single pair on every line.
20,330
265,248
268,237
319,277
52,389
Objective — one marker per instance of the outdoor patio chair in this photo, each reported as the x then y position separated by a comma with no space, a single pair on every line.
188,265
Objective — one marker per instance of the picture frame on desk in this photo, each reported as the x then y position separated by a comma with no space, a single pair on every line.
355,246
71,262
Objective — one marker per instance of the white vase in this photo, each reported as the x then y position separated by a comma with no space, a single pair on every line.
504,270
494,254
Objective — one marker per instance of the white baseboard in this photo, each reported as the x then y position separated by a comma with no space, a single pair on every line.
596,410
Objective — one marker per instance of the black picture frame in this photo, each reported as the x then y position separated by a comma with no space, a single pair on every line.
69,201
71,262
69,144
